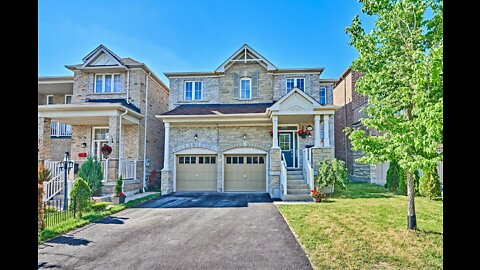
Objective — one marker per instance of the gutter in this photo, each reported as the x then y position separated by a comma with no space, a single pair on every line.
145,136
120,146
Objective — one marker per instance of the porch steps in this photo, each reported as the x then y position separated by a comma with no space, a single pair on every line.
297,188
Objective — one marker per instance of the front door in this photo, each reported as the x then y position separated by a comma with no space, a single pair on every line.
285,141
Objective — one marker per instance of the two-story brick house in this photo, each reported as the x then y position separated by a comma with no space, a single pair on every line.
235,129
108,100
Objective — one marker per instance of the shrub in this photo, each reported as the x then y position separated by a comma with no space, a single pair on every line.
119,186
82,193
430,184
99,207
91,171
331,172
50,209
395,181
42,175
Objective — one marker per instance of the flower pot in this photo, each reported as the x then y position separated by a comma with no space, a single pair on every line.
118,200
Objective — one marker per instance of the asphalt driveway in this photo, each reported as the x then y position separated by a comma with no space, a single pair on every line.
182,231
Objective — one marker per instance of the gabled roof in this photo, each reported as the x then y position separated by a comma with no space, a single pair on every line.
244,50
294,91
98,50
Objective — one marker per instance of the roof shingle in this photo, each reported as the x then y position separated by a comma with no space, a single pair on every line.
218,109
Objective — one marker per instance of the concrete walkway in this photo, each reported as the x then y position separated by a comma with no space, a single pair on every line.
182,231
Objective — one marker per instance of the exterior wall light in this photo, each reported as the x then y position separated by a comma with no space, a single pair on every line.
84,145
195,137
244,136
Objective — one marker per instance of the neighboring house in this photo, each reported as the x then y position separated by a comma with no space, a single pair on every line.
104,102
349,115
234,129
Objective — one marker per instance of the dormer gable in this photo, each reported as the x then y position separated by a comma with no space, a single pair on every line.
296,100
246,54
102,56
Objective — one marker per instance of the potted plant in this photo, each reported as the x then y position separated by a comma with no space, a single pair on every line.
106,150
119,196
317,195
304,133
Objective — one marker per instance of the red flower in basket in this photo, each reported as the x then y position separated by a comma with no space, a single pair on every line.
106,150
120,194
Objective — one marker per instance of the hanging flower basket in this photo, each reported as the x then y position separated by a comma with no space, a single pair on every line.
304,133
106,150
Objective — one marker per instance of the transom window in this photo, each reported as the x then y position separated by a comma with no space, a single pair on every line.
68,99
323,95
245,91
245,160
100,134
49,99
107,83
295,82
193,90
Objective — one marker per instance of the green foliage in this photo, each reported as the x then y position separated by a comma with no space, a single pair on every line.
119,185
82,193
50,209
91,171
43,174
430,184
99,207
396,180
332,172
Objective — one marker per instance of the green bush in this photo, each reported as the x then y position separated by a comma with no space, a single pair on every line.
119,185
332,172
91,171
99,207
430,184
50,209
396,177
82,193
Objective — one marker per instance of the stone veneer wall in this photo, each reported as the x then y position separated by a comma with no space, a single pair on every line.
362,172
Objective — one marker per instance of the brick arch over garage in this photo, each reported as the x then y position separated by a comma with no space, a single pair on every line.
200,145
245,145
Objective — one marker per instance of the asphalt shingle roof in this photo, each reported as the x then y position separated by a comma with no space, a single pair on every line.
215,109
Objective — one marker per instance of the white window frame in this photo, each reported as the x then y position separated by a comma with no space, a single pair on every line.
295,83
193,90
71,96
320,95
48,103
240,88
103,83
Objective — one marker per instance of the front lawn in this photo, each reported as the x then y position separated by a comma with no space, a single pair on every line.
87,217
364,227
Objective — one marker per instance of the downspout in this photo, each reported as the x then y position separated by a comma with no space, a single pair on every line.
145,136
120,148
345,118
128,85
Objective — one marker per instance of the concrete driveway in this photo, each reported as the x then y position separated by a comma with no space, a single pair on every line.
182,231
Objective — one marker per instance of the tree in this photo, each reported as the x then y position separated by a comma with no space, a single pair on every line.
430,184
91,171
401,60
80,196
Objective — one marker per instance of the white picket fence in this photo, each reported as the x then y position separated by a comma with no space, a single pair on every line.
55,185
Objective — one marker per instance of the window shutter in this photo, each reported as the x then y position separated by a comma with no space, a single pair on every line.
255,76
91,79
236,85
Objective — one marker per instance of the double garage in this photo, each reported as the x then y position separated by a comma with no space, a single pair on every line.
241,172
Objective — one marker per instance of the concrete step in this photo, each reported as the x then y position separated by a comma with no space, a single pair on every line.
294,172
298,191
295,182
297,197
295,177
297,186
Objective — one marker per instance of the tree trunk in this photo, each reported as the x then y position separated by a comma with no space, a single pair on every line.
412,218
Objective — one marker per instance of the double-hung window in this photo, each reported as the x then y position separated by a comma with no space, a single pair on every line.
49,99
193,90
295,82
107,83
245,90
323,95
68,99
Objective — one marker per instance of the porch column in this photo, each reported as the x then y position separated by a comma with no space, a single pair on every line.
275,131
326,131
44,140
317,130
166,149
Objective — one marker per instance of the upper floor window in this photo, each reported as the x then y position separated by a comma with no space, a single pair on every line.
295,82
193,90
68,99
107,83
245,92
49,99
323,95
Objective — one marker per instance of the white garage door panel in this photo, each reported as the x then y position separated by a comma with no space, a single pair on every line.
245,173
196,173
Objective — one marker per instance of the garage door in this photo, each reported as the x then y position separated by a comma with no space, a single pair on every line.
245,173
196,173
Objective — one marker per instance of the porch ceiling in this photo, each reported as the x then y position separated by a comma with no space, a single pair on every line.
295,119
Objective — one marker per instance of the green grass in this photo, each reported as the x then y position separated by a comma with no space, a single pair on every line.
364,227
87,217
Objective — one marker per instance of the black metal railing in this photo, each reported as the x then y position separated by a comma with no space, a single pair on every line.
55,214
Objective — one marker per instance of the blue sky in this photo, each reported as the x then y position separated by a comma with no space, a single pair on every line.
180,35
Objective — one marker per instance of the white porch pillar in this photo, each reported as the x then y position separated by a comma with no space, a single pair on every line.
326,130
275,131
166,148
317,130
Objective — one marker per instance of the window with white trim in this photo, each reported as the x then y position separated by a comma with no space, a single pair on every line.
295,82
245,88
68,99
193,90
49,99
323,95
107,83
